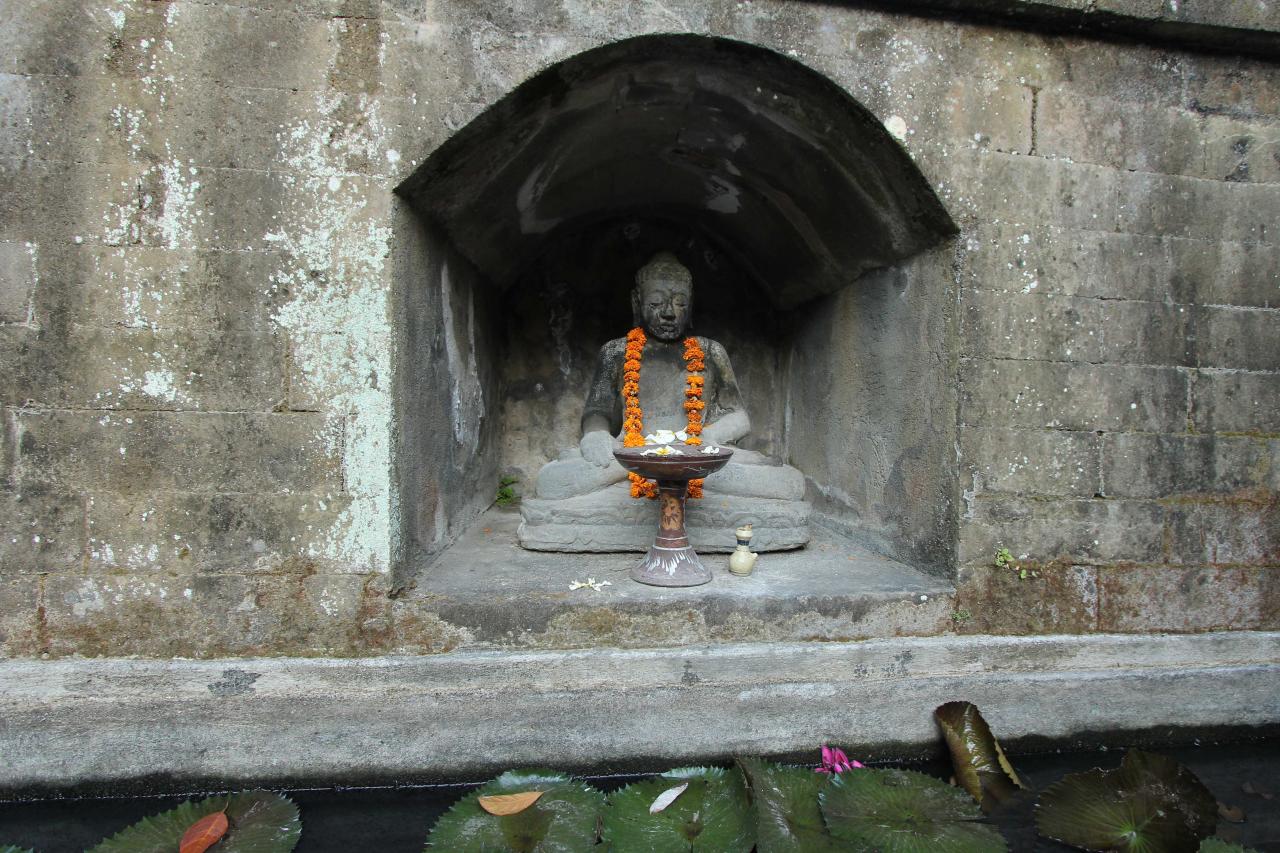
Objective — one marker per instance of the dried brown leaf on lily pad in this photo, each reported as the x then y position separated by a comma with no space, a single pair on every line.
508,804
562,819
1150,804
1234,814
204,833
980,764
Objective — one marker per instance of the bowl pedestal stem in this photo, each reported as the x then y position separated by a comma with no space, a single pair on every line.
670,561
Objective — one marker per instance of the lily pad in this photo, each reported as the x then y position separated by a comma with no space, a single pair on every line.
1150,804
901,811
713,815
1217,845
260,822
562,820
980,764
788,817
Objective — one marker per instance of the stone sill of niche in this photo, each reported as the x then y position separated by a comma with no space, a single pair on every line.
504,596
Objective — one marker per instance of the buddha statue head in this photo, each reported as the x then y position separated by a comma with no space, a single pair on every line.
662,300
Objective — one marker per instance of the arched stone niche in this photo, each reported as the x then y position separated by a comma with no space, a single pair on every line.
807,228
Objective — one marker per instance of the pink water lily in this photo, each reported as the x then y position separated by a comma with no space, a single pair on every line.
835,761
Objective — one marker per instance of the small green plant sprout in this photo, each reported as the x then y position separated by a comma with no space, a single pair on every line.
961,616
506,495
1004,560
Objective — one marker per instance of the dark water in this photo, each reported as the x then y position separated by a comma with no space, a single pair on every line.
397,819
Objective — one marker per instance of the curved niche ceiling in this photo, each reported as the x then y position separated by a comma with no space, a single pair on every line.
777,164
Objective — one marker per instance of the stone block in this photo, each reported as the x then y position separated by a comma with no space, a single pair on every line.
30,363
172,369
162,615
17,281
294,51
1226,273
47,203
1140,465
1232,86
1237,150
1236,401
100,368
1034,325
43,531
184,532
1030,462
996,116
53,38
1246,338
1054,395
1086,197
1054,598
174,451
1046,259
320,220
157,288
325,367
177,126
316,614
1106,131
151,615
1076,532
1239,529
1022,192
1176,206
19,616
1147,599
1030,59
1109,132
1143,77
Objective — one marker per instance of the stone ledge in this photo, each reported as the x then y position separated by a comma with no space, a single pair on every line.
466,715
502,595
1247,29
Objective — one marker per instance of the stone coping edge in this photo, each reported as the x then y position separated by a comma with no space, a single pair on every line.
1241,30
76,722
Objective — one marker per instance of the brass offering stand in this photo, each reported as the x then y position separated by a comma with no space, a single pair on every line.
671,561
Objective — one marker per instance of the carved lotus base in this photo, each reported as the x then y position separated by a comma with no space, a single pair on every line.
666,566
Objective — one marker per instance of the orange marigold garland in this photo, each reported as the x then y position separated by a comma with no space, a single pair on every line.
633,417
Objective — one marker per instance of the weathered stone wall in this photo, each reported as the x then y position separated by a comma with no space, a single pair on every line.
871,410
201,302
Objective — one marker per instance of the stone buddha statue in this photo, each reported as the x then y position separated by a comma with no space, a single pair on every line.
583,502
